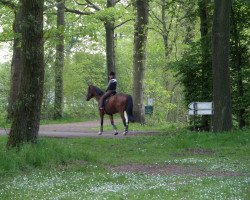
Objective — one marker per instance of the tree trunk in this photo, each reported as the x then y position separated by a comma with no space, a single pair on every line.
26,115
110,46
110,41
188,24
165,31
140,39
16,64
237,64
58,104
206,64
220,63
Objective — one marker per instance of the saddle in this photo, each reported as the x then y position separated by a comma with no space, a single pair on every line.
107,99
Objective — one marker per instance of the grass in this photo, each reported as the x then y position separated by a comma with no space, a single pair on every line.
80,168
79,185
64,120
6,124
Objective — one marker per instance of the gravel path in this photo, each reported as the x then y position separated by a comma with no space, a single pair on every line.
79,129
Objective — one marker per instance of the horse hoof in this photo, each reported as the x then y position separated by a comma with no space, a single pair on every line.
116,133
99,133
125,132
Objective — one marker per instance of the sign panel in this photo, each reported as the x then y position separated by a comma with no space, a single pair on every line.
150,102
200,112
200,108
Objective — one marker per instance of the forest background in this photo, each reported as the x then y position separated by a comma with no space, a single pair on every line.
178,67
173,51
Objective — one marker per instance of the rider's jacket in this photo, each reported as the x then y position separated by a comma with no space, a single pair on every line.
112,84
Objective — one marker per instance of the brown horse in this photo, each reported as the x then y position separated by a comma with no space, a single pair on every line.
118,103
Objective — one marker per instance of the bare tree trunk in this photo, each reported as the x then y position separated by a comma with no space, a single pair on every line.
58,104
110,41
16,65
220,62
165,31
26,115
110,47
140,39
206,64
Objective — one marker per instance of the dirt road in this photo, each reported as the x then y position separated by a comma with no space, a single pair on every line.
79,129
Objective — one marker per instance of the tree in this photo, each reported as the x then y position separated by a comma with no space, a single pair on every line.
16,64
108,15
26,115
168,19
206,65
220,62
110,41
165,22
58,104
140,39
239,53
189,21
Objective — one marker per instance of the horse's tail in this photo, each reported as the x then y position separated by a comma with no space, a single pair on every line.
129,108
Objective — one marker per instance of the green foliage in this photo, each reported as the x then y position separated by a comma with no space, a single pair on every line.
195,72
161,84
6,21
86,68
4,92
190,70
124,62
156,89
85,56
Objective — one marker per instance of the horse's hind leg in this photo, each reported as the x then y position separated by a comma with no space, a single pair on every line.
113,124
124,117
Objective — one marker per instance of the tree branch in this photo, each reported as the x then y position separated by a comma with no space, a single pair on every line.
155,16
93,5
80,4
77,11
123,23
157,31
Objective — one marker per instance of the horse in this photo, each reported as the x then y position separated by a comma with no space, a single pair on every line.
118,103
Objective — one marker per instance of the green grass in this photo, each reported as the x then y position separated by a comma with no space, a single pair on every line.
81,185
80,168
6,124
64,120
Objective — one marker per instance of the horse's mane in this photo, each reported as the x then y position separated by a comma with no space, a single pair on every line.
98,90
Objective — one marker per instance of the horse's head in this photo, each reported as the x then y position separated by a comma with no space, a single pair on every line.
94,91
90,93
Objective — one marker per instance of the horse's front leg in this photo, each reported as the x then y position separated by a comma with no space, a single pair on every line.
113,124
101,127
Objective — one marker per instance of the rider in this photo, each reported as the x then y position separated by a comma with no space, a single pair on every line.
111,89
